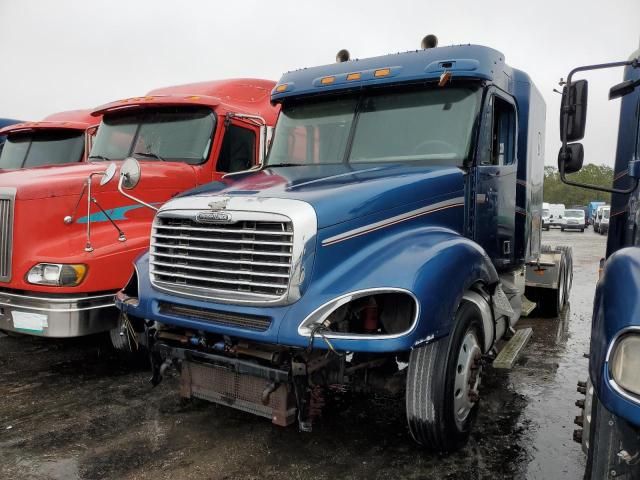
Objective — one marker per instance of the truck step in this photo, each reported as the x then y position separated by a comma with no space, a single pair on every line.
527,306
509,354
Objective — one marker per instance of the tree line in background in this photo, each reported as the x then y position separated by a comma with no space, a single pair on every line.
557,192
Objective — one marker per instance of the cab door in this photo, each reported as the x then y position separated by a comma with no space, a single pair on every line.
495,179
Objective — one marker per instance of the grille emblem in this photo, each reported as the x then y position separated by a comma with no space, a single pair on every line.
214,217
219,204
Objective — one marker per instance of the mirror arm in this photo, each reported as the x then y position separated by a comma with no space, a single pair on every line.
131,197
635,63
597,187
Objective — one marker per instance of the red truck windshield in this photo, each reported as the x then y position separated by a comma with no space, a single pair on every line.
34,149
179,135
427,126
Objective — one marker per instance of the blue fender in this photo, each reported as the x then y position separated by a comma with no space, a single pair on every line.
616,307
437,265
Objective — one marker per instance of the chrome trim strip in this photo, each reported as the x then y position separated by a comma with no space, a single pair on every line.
59,299
249,208
453,202
621,391
7,207
321,313
44,304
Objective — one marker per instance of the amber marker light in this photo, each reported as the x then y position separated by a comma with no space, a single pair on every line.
327,80
382,72
354,76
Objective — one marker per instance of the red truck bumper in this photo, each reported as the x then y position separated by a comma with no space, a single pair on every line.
58,316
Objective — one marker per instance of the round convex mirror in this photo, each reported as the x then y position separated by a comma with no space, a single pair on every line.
130,173
109,173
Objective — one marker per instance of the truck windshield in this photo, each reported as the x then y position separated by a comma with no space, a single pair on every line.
545,213
177,135
427,126
47,147
605,213
574,213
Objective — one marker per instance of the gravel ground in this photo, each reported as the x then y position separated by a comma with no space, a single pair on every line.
71,410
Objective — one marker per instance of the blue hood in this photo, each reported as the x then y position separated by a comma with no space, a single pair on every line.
343,192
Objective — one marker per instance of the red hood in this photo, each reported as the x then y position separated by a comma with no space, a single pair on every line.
65,180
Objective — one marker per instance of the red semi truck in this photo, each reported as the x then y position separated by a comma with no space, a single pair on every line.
68,237
60,138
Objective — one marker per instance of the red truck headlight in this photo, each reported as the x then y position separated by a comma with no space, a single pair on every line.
56,274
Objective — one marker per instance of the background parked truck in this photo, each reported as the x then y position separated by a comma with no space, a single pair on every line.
390,226
68,242
610,411
60,138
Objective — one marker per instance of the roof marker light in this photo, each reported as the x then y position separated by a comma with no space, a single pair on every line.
281,88
382,72
354,76
327,80
193,97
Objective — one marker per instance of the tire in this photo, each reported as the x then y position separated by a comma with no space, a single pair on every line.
607,435
439,409
552,300
582,230
122,338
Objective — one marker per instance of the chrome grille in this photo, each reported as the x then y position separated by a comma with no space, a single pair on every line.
246,259
7,197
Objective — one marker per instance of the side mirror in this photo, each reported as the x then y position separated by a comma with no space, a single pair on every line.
109,173
570,160
574,110
130,173
622,89
130,177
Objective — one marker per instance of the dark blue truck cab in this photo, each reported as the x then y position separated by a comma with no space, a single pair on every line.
381,246
610,416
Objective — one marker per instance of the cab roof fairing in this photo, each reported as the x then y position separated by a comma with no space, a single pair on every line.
250,96
463,61
46,125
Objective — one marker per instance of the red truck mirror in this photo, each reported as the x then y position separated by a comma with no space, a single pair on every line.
108,174
130,173
573,113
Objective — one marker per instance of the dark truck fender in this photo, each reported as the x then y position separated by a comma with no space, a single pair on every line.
436,265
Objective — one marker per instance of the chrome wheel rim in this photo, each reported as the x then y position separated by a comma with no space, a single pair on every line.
467,378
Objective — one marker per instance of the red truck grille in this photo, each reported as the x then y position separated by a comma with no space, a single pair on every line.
6,233
250,260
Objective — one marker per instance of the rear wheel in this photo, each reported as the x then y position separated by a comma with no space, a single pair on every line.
442,384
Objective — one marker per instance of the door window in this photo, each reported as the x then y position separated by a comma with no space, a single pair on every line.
503,133
238,150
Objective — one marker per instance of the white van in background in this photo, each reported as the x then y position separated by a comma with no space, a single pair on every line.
574,219
556,214
601,221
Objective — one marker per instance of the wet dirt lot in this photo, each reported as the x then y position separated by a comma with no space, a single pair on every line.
71,410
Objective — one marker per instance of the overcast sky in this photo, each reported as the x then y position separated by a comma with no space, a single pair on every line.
67,54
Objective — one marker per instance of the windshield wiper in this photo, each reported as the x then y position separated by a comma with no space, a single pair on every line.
150,155
285,165
99,157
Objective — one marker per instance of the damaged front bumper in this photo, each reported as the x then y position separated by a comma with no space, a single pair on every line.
244,385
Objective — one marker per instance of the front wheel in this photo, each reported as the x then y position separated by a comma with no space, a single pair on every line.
442,384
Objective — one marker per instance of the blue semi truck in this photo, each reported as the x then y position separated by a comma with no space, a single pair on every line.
610,411
385,244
